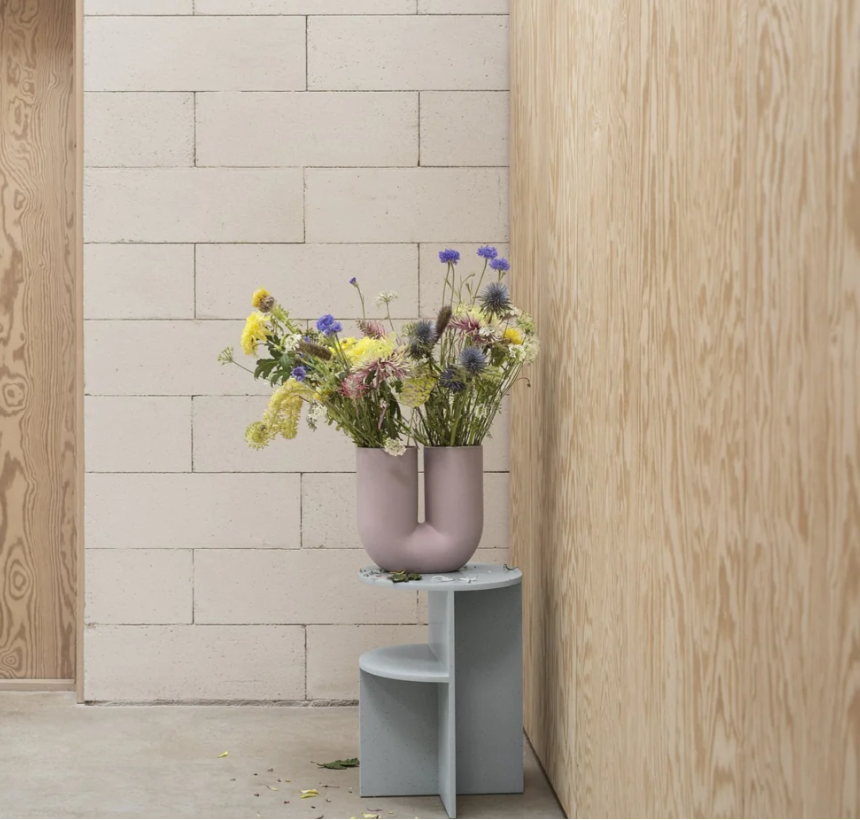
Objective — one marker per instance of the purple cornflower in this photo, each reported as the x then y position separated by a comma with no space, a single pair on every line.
500,264
328,325
495,299
299,373
449,256
473,361
353,281
487,252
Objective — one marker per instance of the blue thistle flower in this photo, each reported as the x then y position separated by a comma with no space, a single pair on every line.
495,299
425,333
328,325
473,361
449,255
501,264
299,373
452,380
487,252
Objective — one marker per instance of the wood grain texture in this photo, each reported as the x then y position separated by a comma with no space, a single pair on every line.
686,510
802,602
38,369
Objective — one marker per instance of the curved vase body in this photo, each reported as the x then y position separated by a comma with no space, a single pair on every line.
453,507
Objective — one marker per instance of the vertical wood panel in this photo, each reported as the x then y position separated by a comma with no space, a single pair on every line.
686,502
544,457
38,366
802,604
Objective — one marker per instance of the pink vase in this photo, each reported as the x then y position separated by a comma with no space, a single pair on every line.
453,507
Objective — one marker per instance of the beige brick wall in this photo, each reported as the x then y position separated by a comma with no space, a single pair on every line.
232,144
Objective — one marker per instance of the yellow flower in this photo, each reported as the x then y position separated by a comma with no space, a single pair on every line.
256,330
368,350
285,407
258,435
471,312
347,343
417,389
514,336
258,297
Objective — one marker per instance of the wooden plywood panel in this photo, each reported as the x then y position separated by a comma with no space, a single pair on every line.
692,374
802,603
543,428
37,330
685,503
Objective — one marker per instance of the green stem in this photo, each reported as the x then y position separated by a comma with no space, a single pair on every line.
478,288
246,369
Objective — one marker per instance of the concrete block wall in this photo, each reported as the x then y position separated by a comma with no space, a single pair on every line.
233,144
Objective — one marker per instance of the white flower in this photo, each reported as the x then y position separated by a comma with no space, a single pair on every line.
291,342
385,298
531,348
394,447
316,415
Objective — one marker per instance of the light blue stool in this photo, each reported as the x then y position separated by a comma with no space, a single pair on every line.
446,717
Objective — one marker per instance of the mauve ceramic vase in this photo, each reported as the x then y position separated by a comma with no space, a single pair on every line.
453,507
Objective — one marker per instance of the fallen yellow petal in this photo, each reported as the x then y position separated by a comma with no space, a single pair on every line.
368,816
223,754
309,793
273,788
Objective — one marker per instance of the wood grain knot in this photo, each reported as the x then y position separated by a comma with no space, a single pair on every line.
18,582
13,396
11,662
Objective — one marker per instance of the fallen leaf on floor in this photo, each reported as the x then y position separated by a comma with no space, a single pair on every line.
368,816
402,577
256,794
273,788
349,763
270,770
309,793
223,754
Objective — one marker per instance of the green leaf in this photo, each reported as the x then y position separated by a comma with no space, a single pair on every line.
349,763
403,576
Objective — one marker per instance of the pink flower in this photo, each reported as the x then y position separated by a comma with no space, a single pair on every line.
383,370
467,324
372,328
353,386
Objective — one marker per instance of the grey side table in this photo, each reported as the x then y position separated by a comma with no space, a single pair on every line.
446,717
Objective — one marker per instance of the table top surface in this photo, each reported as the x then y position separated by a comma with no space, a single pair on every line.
472,578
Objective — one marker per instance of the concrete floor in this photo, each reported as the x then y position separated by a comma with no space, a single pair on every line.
62,760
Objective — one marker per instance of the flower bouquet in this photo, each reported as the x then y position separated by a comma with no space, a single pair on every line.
438,382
